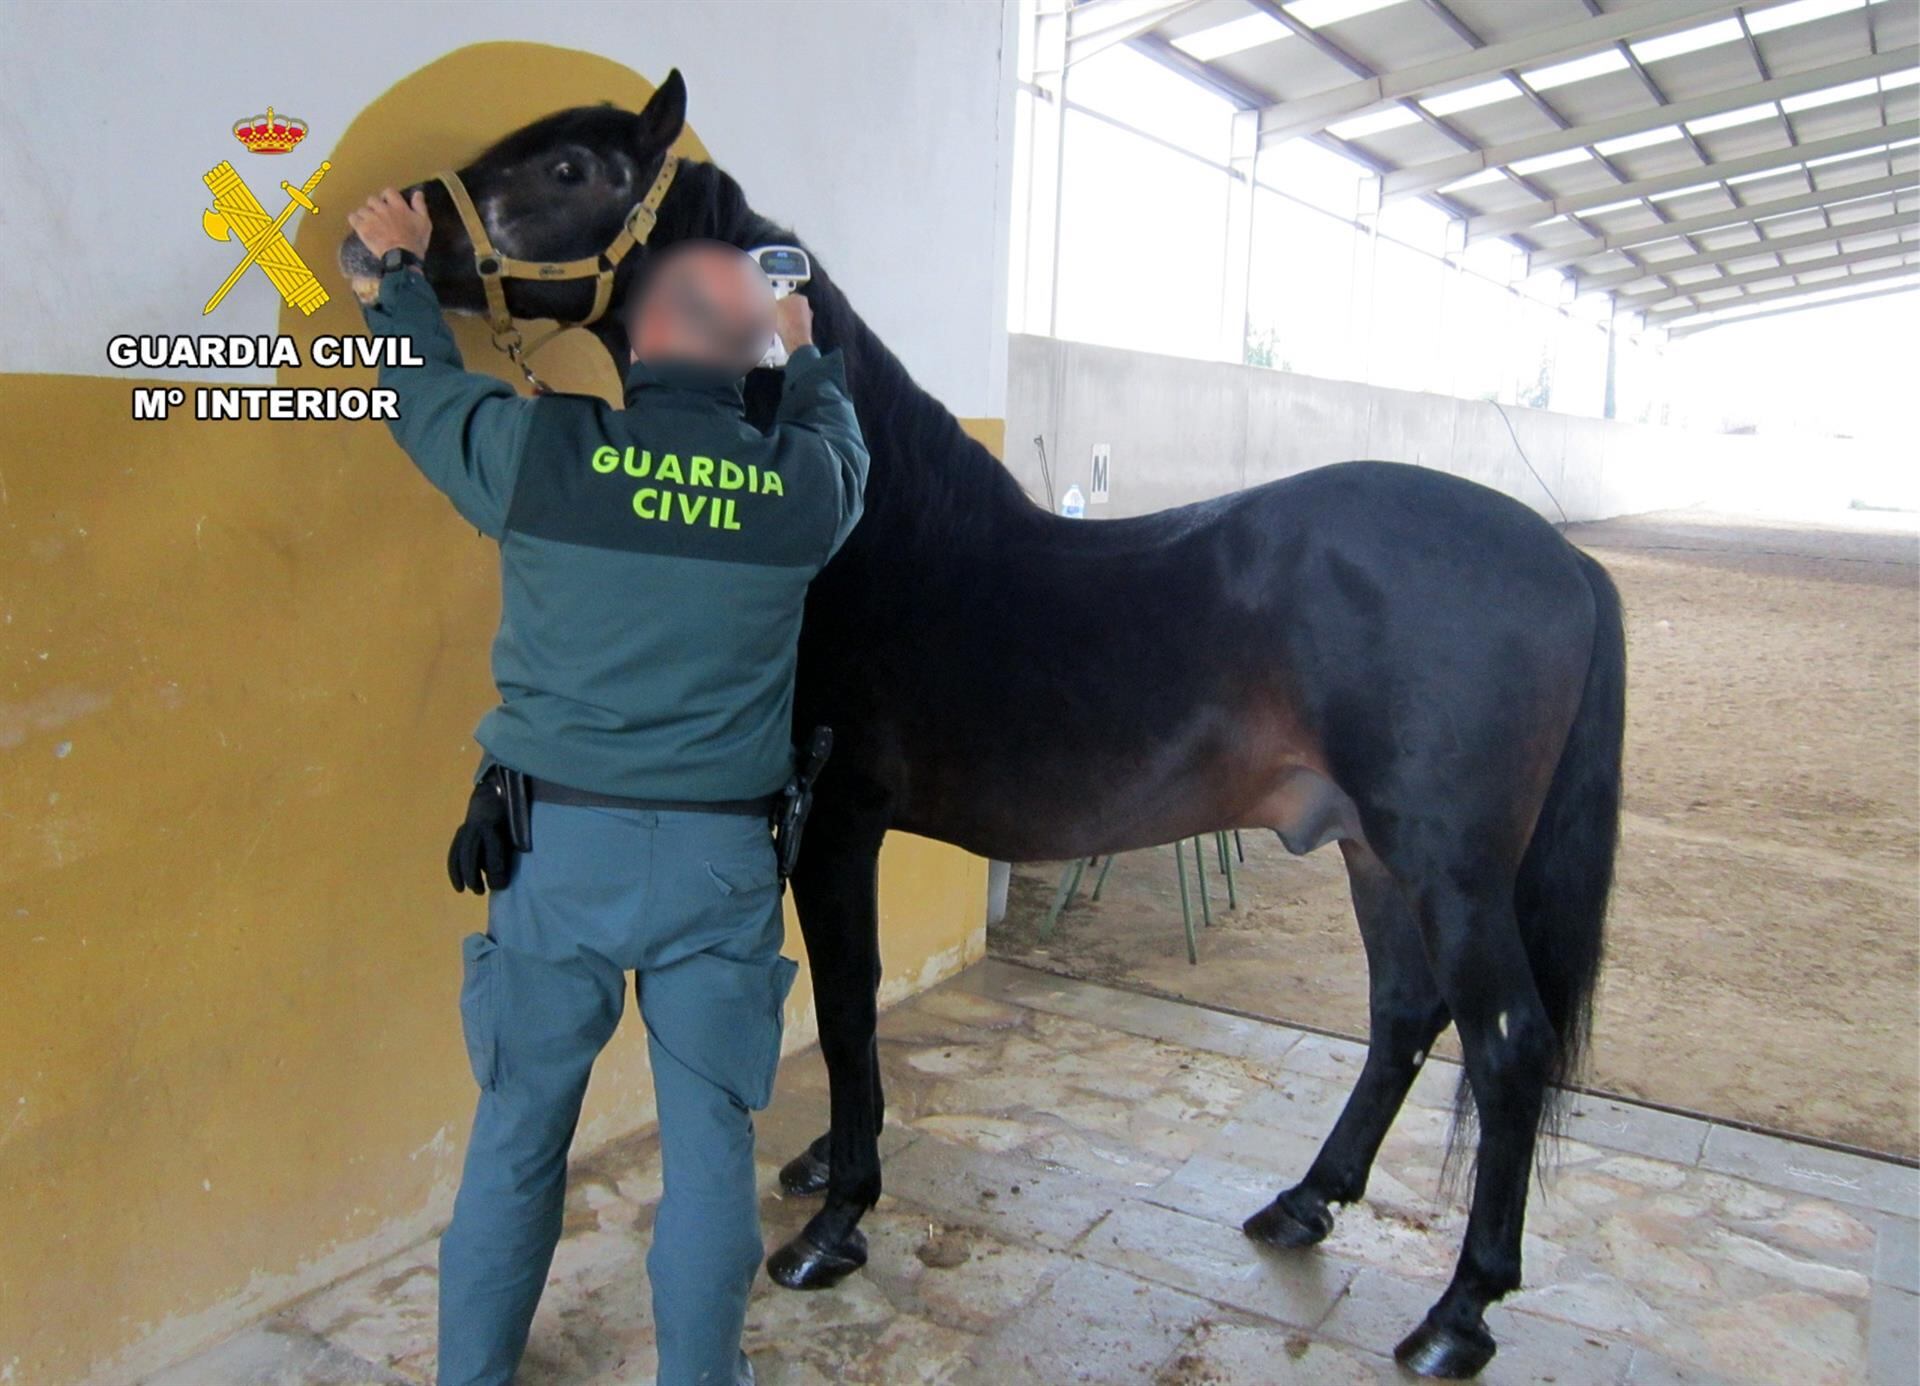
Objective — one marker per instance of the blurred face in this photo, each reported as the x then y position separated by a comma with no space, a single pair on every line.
706,304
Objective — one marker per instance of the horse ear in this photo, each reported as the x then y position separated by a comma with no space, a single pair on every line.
665,116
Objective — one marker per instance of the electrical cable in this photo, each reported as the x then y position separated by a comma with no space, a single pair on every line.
1529,461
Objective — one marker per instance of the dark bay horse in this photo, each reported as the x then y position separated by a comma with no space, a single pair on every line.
1391,659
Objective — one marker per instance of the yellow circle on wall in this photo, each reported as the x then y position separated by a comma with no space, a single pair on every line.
441,117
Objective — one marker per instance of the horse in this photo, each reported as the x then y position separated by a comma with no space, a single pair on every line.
1415,668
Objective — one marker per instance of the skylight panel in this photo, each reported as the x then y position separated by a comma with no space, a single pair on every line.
1807,101
1316,14
1471,98
1235,36
1726,120
1688,40
1373,123
1801,12
1627,143
1602,210
1558,159
1484,176
1576,70
1687,191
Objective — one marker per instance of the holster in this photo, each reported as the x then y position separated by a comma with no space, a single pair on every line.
796,801
512,787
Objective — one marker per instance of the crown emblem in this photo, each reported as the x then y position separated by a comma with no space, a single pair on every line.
270,134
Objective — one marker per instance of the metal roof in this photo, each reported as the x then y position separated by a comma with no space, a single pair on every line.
1684,156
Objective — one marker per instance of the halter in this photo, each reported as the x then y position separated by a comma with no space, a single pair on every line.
494,268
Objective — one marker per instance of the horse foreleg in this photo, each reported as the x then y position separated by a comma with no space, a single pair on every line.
1406,1015
835,890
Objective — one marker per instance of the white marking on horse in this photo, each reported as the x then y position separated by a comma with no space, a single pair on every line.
1503,1025
1419,1057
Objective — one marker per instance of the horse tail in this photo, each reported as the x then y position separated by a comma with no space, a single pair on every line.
1566,876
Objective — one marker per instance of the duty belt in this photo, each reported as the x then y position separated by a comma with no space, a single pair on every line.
552,793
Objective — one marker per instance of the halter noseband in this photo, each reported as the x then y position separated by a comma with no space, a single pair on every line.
494,268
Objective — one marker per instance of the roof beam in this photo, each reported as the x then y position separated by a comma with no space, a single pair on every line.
1840,260
1832,196
1519,218
1687,327
1787,291
1306,114
1436,173
1092,28
1726,254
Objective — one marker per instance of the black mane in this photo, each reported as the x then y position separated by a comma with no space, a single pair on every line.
929,479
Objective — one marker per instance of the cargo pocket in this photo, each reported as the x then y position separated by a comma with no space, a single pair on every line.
723,1019
480,1007
741,877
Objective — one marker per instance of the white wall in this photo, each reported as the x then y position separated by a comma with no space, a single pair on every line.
880,131
1182,430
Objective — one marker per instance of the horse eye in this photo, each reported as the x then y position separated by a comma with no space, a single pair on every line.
567,173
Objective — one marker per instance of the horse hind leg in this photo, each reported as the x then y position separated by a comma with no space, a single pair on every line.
1406,1015
1481,965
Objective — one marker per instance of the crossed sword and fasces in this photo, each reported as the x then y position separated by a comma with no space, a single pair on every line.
236,213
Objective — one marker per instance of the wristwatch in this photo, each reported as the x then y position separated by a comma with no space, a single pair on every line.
398,258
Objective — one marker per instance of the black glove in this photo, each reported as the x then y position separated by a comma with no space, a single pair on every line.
481,853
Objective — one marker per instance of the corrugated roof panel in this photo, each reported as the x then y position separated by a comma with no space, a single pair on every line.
1388,39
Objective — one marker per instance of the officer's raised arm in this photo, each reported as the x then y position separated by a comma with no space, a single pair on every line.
816,414
462,429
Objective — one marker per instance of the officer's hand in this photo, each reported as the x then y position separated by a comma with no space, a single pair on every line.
481,854
793,320
389,220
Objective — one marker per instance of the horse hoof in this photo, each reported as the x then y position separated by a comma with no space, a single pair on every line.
800,1265
1445,1352
804,1176
1276,1225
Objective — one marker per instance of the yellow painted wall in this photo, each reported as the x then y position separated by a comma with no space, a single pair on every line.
239,668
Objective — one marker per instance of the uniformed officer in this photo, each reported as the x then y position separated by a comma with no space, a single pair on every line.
654,560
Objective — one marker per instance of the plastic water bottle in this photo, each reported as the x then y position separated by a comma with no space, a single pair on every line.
1073,505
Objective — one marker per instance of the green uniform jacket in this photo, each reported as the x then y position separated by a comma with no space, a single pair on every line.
654,559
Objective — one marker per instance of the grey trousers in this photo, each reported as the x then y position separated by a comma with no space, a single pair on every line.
690,904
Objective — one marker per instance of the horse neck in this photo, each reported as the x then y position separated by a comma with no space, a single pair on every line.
931,488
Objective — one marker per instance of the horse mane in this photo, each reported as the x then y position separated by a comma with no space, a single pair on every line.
929,481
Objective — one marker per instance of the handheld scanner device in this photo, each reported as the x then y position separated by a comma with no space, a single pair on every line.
787,267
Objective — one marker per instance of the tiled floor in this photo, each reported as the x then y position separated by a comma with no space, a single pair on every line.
1067,1169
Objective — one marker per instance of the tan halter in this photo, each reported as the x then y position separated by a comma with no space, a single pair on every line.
494,268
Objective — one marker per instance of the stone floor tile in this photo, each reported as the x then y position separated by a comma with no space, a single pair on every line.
1829,1174
1067,1167
386,1314
1015,1199
1092,1324
1896,1256
277,1353
1638,1130
953,1273
1225,1353
1380,1308
1327,1057
1217,1263
1893,1338
1296,1103
1228,1190
1649,1368
1156,1017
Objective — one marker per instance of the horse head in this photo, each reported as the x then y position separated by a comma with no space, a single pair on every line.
558,189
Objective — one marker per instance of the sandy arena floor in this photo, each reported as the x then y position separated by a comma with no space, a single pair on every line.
1765,951
1067,1168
